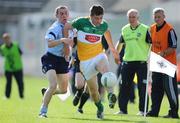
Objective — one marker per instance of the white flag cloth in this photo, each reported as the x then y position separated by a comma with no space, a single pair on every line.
161,65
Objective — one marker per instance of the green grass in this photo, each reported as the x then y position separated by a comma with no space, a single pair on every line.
16,110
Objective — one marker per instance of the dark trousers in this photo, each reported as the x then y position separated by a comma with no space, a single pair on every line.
128,71
19,79
132,92
161,83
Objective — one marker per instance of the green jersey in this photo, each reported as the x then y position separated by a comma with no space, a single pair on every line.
89,37
136,47
12,61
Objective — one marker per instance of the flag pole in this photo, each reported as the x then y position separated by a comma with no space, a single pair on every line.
147,80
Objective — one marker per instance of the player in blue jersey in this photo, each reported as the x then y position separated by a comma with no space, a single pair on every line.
54,64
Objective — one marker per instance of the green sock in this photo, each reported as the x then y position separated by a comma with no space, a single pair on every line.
99,106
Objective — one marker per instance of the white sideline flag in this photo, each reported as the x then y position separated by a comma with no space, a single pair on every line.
161,65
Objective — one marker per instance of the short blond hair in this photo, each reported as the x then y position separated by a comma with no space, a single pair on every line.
133,10
156,10
60,7
6,35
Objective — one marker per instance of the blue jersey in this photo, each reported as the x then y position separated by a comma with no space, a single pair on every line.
55,32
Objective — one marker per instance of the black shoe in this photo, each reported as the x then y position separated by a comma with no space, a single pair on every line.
80,111
171,116
167,116
150,114
76,100
132,101
43,90
112,100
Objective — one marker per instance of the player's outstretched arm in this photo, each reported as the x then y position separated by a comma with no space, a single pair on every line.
53,43
108,37
67,27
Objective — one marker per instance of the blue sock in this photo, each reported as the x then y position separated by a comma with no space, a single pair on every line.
43,110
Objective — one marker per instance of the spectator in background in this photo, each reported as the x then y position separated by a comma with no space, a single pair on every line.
136,38
164,43
132,91
13,65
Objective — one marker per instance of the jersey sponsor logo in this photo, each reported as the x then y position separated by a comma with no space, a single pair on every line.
138,34
92,38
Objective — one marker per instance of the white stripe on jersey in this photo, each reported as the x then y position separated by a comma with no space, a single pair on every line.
173,38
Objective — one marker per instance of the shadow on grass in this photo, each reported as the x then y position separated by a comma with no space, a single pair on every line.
104,120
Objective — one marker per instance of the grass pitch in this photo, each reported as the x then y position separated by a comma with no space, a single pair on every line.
15,110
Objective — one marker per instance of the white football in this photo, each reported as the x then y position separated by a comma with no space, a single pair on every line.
109,79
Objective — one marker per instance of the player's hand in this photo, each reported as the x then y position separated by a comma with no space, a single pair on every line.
67,52
116,57
68,41
117,61
67,58
161,54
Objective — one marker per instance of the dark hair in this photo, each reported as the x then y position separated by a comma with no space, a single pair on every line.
97,10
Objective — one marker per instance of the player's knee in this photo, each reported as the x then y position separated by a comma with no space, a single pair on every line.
63,90
79,81
94,94
79,86
53,87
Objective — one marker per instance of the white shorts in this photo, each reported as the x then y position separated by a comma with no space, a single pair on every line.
88,67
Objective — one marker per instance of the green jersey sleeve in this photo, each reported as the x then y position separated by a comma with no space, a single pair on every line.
76,23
